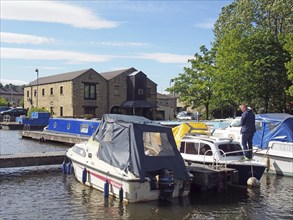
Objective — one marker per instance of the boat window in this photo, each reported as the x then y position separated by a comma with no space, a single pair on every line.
231,149
192,148
108,133
84,128
204,148
79,151
182,147
157,144
236,122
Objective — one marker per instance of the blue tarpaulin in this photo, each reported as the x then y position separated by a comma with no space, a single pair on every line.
272,127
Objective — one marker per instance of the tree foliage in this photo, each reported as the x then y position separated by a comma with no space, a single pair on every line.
251,60
250,54
3,102
195,85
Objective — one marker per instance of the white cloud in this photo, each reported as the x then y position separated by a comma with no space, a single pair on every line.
13,81
166,57
207,24
70,56
53,12
24,38
122,44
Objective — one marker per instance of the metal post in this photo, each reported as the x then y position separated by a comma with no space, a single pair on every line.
37,71
10,87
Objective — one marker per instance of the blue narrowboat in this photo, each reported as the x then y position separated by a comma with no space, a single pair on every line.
72,126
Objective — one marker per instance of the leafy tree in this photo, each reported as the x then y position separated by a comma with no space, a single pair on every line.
289,65
3,102
21,103
250,52
195,85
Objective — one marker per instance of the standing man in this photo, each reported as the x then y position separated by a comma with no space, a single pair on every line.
247,130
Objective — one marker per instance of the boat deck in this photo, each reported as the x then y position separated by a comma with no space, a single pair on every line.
206,177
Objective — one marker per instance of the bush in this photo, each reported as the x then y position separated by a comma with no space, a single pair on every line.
35,109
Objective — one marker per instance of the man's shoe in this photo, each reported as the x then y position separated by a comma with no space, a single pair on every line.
246,158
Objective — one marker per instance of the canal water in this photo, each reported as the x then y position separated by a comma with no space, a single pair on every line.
45,193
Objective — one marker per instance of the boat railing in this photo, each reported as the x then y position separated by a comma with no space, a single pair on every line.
215,160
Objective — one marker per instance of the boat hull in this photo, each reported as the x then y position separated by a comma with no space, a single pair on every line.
247,171
133,189
278,157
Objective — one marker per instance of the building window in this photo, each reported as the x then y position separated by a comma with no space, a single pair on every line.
43,92
140,91
90,91
89,110
51,91
27,93
61,111
116,90
61,90
35,92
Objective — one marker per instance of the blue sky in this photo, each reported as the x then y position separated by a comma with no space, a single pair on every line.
155,37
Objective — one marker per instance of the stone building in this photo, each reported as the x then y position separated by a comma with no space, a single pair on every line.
12,95
87,92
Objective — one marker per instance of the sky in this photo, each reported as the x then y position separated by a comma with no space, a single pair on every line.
155,37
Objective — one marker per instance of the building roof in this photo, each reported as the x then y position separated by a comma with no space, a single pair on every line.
59,77
112,74
10,91
167,96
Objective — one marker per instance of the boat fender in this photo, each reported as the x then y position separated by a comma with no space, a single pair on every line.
268,163
121,194
64,167
106,189
84,175
69,168
253,182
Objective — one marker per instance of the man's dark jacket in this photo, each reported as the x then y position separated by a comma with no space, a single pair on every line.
248,122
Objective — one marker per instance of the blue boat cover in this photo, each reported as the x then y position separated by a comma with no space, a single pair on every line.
272,127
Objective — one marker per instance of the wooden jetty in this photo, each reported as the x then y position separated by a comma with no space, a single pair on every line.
31,159
208,178
18,126
50,136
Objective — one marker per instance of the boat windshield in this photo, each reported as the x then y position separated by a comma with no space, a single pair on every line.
231,149
157,144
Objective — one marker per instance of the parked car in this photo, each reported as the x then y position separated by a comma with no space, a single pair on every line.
184,115
16,112
4,108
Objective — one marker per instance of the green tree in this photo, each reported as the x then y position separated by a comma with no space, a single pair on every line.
289,65
195,85
250,52
3,102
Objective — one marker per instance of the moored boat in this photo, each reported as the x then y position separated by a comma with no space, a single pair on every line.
72,126
131,158
272,141
203,149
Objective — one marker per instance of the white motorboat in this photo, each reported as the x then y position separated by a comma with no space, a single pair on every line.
220,152
273,141
278,157
131,158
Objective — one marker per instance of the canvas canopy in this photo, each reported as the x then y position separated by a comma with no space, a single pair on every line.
189,128
138,145
272,126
